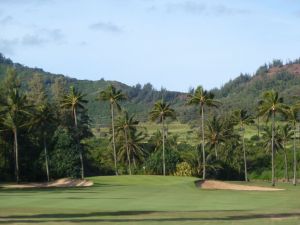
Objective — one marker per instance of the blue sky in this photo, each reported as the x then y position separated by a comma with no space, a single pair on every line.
174,44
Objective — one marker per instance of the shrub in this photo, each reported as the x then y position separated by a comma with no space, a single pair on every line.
183,169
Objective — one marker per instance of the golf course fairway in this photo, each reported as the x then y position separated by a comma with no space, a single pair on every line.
149,200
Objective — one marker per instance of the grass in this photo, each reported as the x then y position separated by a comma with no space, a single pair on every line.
184,131
149,200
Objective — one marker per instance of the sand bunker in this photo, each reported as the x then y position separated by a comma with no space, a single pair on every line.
64,182
219,185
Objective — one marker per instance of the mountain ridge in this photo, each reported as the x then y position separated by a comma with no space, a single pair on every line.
241,92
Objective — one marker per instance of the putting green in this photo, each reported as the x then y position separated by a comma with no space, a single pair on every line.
149,200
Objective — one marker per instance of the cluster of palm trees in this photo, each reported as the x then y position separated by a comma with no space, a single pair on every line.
275,138
217,131
17,112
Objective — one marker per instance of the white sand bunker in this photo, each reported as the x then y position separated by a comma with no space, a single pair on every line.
64,182
219,185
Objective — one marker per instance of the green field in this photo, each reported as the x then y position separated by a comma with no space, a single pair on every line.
148,200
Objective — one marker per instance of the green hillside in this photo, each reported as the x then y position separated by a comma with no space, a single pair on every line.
242,92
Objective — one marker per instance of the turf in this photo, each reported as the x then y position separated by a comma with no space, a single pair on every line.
149,200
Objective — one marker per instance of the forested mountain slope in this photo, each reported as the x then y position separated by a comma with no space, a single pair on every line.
242,92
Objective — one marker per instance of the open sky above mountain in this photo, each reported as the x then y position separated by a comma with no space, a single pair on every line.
171,43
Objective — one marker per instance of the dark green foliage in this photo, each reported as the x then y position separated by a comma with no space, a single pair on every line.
153,164
64,157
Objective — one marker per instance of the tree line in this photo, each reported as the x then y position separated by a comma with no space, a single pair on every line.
62,125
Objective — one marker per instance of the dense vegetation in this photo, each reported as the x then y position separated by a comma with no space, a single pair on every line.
48,125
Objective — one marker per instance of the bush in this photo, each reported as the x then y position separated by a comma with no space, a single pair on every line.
183,169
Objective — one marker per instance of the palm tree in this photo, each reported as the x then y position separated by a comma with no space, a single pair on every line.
271,138
161,111
202,98
113,96
293,118
133,147
286,134
136,150
242,117
75,101
126,125
43,119
14,113
215,135
270,104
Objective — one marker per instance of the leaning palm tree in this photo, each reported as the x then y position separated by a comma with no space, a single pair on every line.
293,119
133,148
215,135
15,113
126,125
271,104
43,119
160,112
113,96
241,118
202,98
286,134
75,101
136,150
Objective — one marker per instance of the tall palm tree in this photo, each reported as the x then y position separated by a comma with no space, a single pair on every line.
270,104
202,98
242,118
126,125
74,100
14,116
160,112
43,119
286,134
113,96
293,118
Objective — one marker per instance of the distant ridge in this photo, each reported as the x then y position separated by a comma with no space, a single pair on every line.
241,92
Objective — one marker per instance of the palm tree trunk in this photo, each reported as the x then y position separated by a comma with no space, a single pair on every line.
78,145
163,133
216,151
15,131
113,137
286,175
295,158
134,163
258,128
127,149
273,169
203,150
245,159
46,158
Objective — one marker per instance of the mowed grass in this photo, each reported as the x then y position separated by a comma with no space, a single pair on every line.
149,200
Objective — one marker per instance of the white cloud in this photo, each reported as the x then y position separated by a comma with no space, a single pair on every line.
106,26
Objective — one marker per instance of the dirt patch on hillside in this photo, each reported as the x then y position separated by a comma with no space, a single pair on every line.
64,182
219,185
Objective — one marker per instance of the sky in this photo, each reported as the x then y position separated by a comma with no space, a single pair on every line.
175,44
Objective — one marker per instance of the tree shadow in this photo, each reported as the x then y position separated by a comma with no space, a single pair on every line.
84,217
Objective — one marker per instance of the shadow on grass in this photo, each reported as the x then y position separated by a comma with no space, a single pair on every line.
84,218
92,189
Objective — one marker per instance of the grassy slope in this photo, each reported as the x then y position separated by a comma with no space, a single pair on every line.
184,131
148,200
